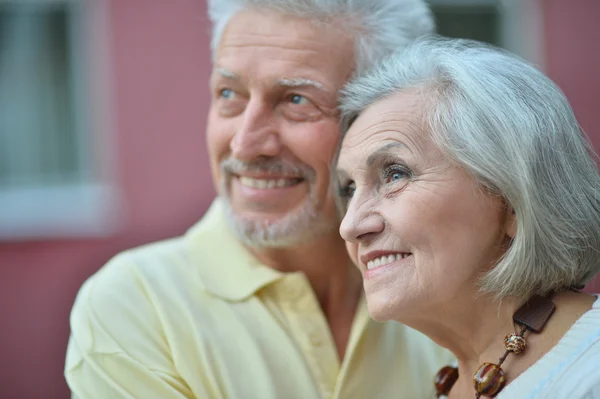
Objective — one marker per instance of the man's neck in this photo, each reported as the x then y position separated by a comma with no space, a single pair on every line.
336,282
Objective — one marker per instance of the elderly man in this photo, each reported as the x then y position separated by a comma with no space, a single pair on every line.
259,299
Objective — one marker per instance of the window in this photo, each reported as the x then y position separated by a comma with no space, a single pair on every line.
54,157
516,25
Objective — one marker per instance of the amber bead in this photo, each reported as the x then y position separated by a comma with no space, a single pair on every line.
489,380
515,343
444,380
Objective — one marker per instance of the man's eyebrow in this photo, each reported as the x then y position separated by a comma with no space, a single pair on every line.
381,151
227,73
285,82
300,82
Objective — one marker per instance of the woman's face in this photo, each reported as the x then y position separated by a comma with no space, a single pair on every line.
419,228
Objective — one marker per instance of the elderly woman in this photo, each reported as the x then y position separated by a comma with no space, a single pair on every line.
472,207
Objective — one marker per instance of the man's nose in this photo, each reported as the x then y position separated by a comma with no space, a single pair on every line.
257,135
361,222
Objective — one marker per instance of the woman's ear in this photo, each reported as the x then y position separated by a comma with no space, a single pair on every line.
510,222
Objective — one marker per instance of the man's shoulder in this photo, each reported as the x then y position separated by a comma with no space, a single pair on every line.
148,258
134,267
161,276
169,261
123,282
134,297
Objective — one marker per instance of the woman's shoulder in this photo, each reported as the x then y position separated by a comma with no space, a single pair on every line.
571,369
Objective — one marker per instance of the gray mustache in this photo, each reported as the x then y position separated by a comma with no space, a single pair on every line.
268,165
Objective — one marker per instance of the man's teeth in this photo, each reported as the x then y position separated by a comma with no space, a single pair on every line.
385,259
266,183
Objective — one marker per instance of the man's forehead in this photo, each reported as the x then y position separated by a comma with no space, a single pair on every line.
270,40
274,24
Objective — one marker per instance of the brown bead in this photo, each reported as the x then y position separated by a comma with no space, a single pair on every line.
489,380
515,343
535,313
444,380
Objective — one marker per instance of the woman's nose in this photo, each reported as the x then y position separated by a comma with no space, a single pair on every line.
361,221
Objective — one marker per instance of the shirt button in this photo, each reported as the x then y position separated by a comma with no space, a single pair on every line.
316,339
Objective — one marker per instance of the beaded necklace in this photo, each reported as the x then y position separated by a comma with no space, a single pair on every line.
489,379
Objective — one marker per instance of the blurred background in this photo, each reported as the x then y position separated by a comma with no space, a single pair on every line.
102,111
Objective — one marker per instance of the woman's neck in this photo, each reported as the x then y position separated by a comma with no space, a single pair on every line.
474,330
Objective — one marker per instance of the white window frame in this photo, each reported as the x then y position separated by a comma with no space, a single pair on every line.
521,25
93,207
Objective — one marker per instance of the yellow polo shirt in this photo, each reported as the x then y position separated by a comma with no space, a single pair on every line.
199,317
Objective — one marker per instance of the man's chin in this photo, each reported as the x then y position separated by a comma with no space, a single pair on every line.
278,230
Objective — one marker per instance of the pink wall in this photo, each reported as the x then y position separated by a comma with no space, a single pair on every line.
161,67
573,62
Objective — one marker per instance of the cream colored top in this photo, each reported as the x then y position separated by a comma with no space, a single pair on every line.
199,317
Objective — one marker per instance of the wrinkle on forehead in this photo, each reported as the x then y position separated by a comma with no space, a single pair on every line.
273,41
269,48
410,135
336,22
399,116
272,24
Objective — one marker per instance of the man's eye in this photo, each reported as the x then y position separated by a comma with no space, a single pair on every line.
298,99
227,94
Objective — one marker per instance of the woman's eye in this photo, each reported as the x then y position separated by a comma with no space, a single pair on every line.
298,99
347,190
395,174
227,94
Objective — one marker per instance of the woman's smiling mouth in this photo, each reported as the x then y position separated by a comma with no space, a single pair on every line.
385,259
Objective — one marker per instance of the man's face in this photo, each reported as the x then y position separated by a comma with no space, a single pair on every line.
273,124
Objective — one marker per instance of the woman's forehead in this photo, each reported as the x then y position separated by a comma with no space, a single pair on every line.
400,111
397,118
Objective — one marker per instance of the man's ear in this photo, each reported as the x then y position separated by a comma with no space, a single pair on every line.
510,222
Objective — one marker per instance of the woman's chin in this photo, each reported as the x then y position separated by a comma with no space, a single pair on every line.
382,309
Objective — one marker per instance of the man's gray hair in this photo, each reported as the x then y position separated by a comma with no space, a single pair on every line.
512,128
379,26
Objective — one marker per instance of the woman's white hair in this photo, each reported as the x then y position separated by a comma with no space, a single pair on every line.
380,26
514,131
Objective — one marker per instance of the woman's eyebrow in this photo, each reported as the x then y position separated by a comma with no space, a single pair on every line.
383,150
341,174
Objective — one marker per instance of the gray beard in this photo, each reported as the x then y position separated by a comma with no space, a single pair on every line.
298,226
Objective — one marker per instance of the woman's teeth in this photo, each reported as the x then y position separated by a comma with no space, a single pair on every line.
385,259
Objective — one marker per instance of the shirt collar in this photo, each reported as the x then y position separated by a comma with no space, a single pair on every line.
225,267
